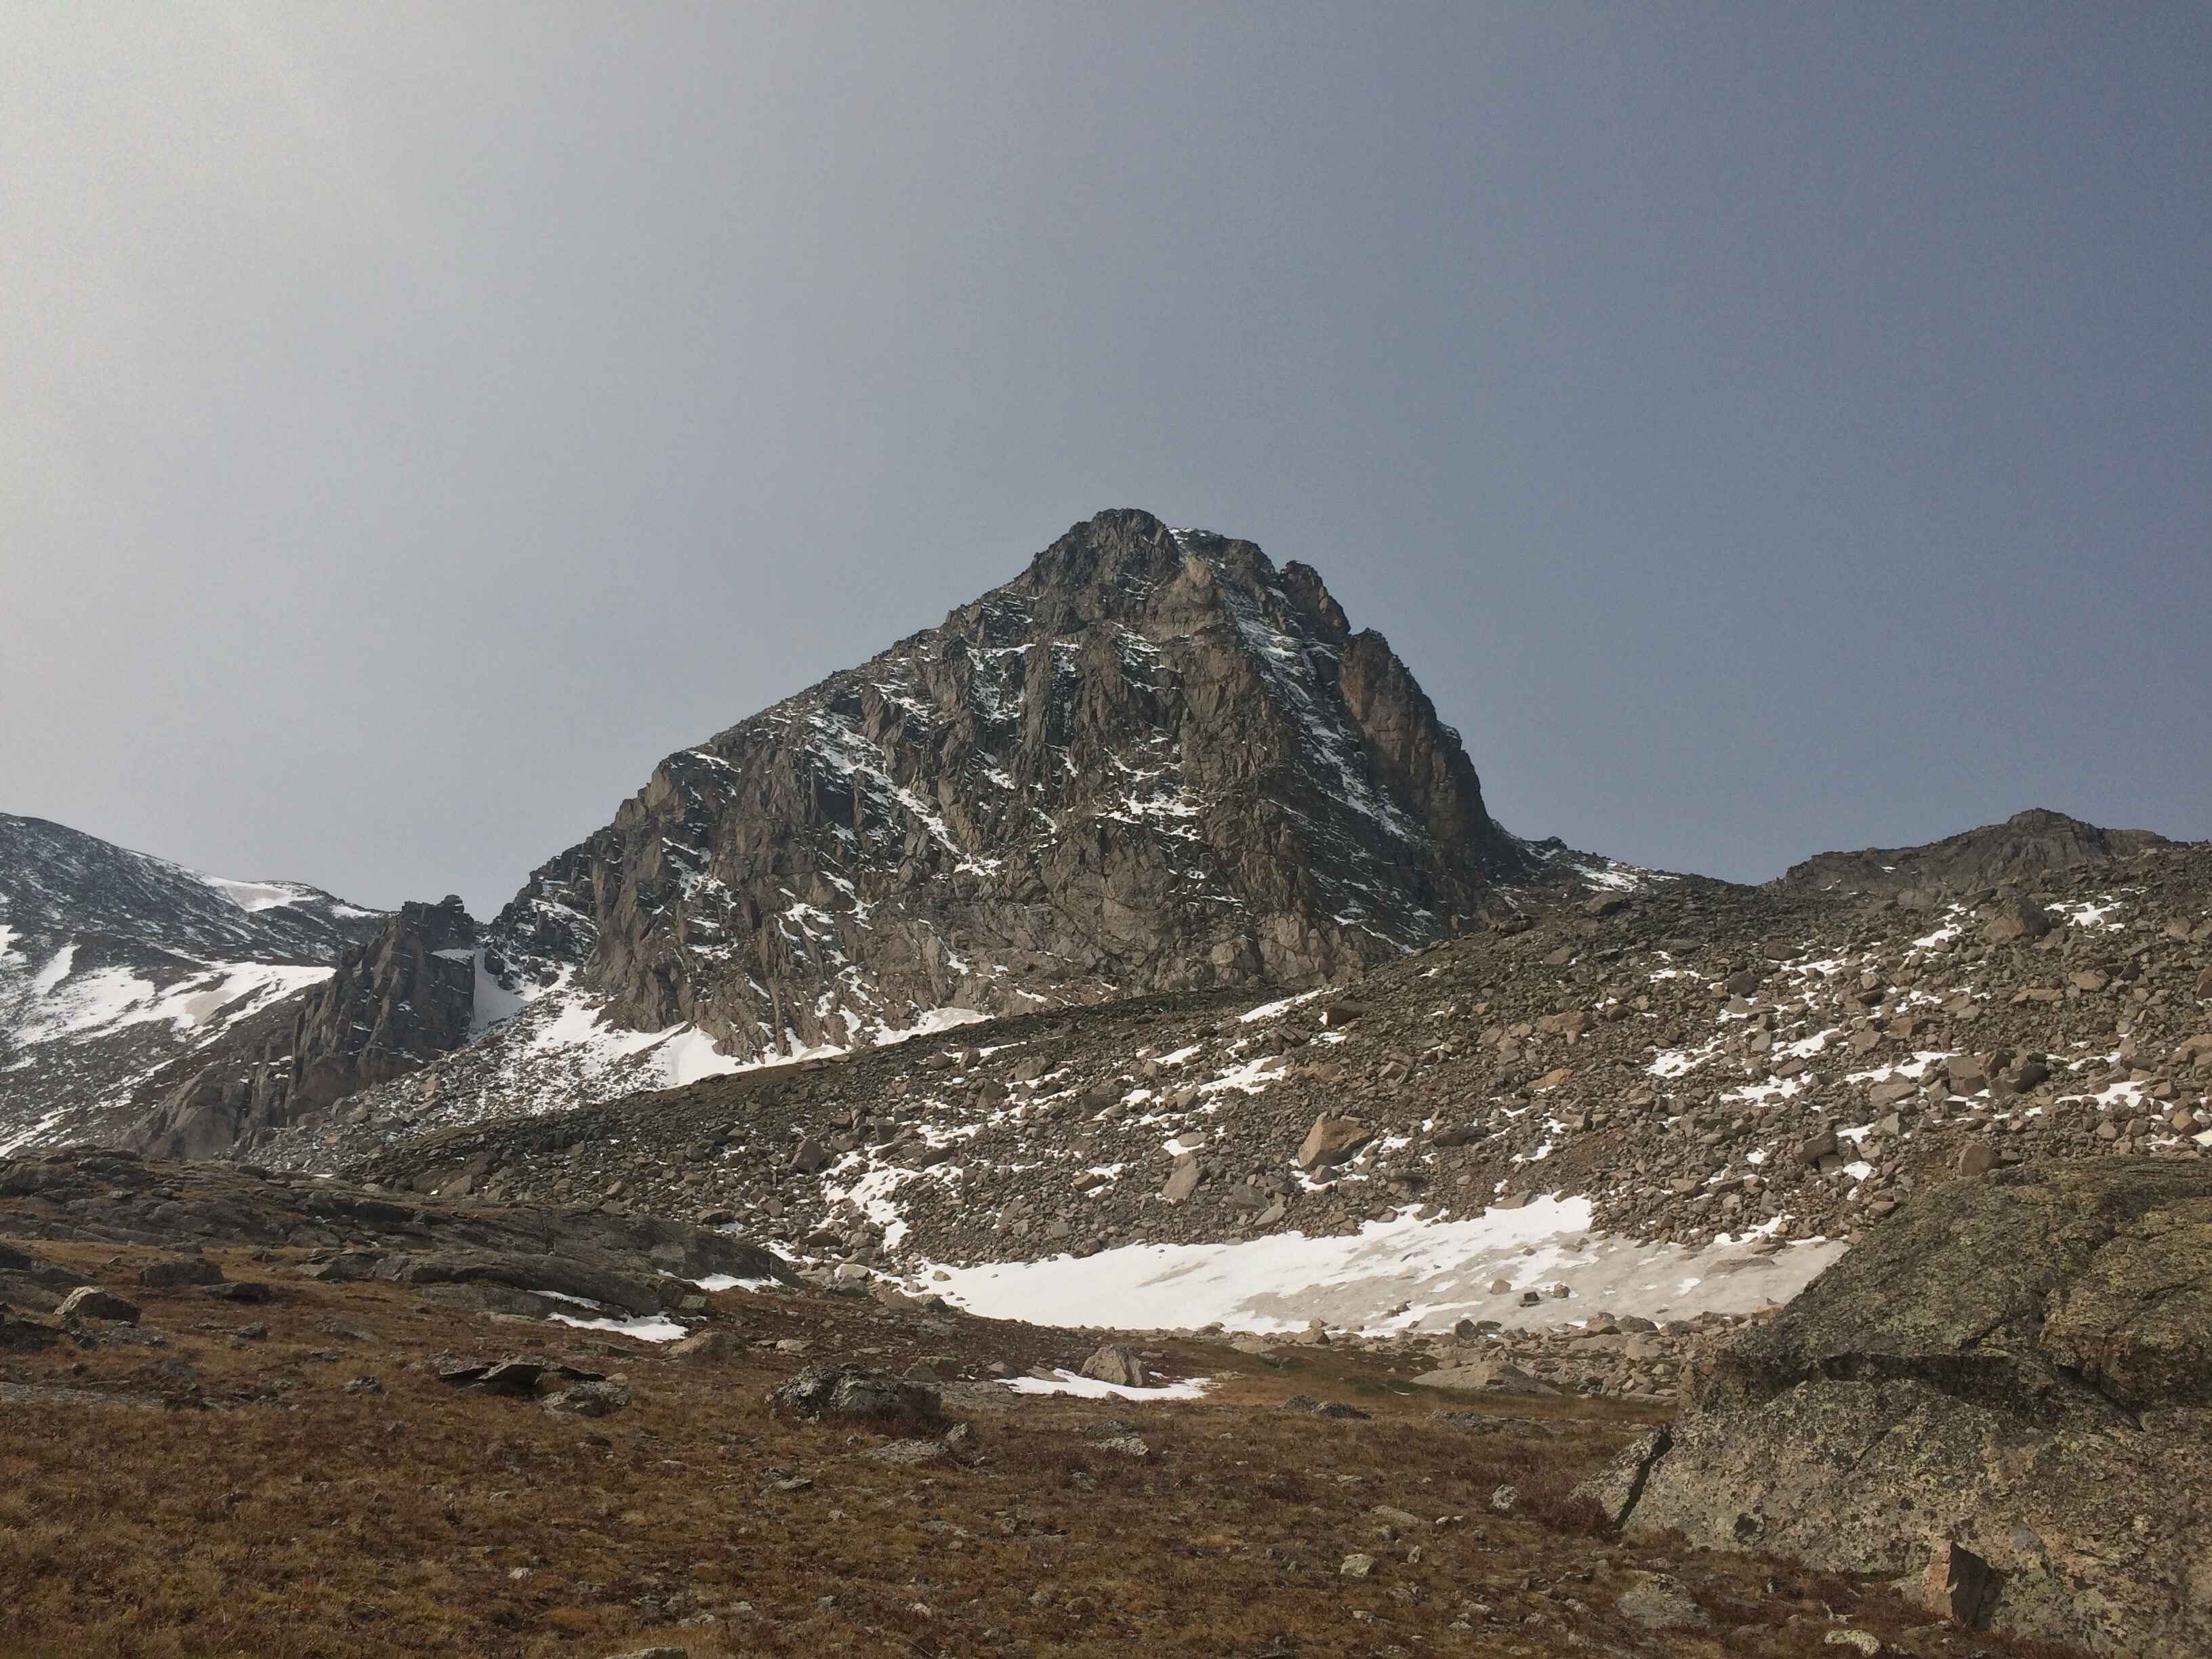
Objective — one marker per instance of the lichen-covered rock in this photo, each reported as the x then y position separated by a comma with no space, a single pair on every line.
2020,1365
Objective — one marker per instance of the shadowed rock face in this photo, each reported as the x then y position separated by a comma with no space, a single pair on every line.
2025,846
2023,1365
1152,761
396,1000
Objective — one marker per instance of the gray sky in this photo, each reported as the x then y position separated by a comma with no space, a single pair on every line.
1762,428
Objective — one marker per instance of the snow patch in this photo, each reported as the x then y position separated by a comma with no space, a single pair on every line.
1442,1268
1089,1388
658,1329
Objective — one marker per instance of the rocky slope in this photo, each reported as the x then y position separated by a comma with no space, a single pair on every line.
275,1415
112,964
1697,1062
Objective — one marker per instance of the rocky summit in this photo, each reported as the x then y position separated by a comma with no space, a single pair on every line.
1153,761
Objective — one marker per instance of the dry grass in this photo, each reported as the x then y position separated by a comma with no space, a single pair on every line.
283,1517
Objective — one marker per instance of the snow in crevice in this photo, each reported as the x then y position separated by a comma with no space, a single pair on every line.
860,761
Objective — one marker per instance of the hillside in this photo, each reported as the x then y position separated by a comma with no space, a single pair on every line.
1697,1063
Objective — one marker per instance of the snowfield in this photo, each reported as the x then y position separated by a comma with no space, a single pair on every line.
1405,1274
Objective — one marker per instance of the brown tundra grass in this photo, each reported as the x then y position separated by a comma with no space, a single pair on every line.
266,1512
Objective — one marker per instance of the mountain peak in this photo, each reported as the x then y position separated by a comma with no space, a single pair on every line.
1152,760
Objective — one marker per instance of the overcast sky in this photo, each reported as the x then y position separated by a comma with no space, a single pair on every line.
1762,428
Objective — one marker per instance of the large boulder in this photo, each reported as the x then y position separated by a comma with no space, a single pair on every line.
1331,1140
1118,1364
29,1281
2020,1364
90,1302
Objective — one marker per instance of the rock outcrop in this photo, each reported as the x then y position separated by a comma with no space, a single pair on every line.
2020,1365
395,1001
638,1264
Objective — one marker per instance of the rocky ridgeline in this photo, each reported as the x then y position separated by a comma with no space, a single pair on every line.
1699,1059
2024,847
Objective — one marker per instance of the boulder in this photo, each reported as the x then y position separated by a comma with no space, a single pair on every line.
1977,1158
2018,1367
90,1302
706,1348
1183,1179
2017,919
1331,1140
29,1281
170,1272
1658,1602
587,1399
1495,1376
1118,1364
24,1335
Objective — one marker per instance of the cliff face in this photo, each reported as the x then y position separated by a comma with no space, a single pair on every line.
394,1001
1152,761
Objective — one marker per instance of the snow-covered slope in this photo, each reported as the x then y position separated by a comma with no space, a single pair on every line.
114,962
